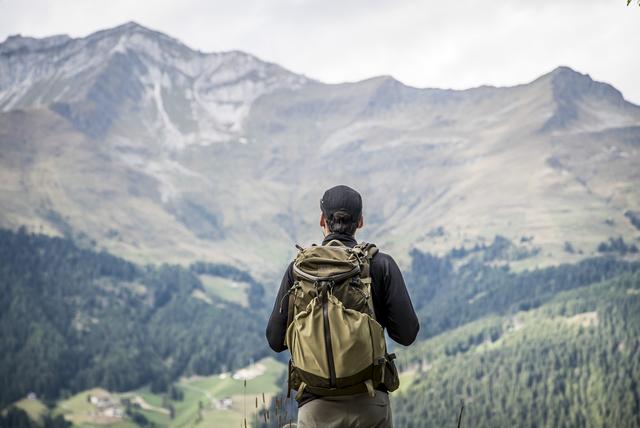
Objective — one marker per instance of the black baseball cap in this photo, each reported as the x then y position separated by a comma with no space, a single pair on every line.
341,198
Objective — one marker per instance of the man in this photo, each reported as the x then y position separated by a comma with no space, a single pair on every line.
341,216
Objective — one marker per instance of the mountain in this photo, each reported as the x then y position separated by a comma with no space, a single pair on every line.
127,140
131,80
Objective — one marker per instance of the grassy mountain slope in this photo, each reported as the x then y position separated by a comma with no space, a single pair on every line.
130,140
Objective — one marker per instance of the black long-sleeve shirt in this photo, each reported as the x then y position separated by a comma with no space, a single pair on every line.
391,302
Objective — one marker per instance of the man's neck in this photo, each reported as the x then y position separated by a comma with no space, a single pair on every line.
348,240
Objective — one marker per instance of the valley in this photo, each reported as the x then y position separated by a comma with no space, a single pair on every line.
152,195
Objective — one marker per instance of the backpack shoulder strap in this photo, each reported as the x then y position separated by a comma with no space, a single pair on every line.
368,250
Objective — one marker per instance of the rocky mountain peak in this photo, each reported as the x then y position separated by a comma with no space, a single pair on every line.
19,44
131,26
570,84
570,89
130,71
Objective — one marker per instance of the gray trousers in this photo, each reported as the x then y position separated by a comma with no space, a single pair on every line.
349,411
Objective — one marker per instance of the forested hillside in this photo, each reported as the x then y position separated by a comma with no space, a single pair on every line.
464,285
72,319
549,347
573,361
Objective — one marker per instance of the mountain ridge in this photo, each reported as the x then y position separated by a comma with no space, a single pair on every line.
188,155
132,27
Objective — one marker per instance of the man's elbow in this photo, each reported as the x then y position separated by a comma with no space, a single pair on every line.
277,347
407,336
275,343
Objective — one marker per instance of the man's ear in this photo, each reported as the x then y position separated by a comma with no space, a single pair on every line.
323,222
360,222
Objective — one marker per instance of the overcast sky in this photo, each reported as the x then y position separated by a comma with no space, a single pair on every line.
425,43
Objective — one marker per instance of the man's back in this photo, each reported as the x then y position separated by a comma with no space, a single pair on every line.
391,301
341,216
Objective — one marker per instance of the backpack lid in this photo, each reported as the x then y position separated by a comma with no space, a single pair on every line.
331,262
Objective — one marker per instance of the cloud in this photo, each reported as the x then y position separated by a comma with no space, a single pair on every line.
422,43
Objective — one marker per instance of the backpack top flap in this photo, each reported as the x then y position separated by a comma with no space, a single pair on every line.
343,269
332,262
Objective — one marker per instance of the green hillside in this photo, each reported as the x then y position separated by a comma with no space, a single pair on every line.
468,284
573,361
195,401
548,347
73,319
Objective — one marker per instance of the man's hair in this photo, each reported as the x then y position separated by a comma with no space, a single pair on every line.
342,222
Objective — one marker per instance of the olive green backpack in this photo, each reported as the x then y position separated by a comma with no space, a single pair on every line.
337,347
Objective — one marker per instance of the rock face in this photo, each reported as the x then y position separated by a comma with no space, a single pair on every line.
130,79
129,140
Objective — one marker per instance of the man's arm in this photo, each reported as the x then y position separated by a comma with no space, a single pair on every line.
277,326
399,317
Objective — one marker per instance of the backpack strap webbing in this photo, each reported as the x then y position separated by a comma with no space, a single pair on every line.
367,250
